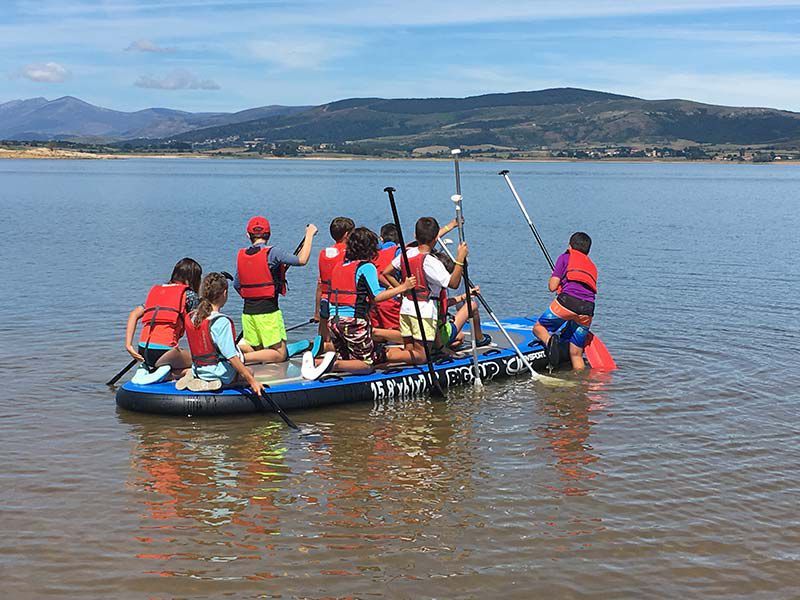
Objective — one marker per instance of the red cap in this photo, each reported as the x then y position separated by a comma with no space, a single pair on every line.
258,226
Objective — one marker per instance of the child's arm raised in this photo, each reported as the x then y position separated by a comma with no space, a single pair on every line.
461,256
130,331
305,251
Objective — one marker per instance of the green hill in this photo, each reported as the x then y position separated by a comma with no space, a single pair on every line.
526,120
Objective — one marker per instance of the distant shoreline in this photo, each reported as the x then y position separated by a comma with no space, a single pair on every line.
43,153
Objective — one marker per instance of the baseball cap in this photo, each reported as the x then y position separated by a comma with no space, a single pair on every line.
258,226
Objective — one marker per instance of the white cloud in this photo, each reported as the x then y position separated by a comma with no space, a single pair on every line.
179,79
148,46
301,52
49,72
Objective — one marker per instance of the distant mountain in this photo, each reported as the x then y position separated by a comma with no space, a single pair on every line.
69,118
526,120
555,118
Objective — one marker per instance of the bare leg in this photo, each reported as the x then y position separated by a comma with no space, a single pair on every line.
387,335
323,330
274,354
462,316
357,367
178,360
540,331
413,352
576,357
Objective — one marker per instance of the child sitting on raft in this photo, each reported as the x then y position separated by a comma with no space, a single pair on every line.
569,316
354,288
450,334
329,257
216,361
431,277
162,324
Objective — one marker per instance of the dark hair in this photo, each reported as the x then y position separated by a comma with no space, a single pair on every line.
427,230
214,287
187,271
445,260
340,227
258,236
361,245
389,233
580,242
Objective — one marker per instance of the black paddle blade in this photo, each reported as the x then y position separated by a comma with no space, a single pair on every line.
436,387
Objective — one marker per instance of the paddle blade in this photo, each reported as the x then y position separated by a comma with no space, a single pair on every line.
597,354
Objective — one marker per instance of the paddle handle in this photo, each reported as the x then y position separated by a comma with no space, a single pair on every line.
521,205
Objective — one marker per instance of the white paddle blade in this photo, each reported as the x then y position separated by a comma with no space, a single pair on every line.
455,151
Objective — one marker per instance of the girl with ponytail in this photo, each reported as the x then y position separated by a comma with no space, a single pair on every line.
216,361
162,316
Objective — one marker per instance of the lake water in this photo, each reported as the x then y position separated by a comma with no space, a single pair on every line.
675,476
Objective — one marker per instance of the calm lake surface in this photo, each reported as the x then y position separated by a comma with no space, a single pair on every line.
676,476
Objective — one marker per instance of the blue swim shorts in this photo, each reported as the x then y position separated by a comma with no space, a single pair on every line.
569,331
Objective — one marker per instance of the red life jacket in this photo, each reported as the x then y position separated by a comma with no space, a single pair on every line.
385,258
443,300
416,263
581,269
344,289
255,277
164,308
328,259
201,344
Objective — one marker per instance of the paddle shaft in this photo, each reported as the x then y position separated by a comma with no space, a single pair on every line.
504,173
125,369
494,318
436,387
467,292
277,409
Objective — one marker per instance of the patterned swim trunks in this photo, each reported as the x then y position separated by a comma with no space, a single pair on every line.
352,339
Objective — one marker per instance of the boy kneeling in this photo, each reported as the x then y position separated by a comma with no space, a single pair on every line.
354,288
570,314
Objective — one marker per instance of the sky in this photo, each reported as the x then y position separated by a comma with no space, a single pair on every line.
227,55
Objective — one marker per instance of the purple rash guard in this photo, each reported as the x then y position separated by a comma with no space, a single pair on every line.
571,288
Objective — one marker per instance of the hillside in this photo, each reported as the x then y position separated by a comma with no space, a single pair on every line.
553,118
70,118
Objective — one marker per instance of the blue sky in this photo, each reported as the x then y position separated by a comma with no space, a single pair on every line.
236,54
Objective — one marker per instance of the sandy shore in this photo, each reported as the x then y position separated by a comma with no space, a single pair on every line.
49,153
59,153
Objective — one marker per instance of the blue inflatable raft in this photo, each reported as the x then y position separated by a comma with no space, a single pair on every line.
291,392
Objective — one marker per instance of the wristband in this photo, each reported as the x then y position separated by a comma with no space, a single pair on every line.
460,264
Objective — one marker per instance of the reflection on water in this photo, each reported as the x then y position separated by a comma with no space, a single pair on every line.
568,428
388,494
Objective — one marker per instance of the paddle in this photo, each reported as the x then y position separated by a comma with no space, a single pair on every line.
276,407
457,200
125,369
299,325
596,351
436,388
